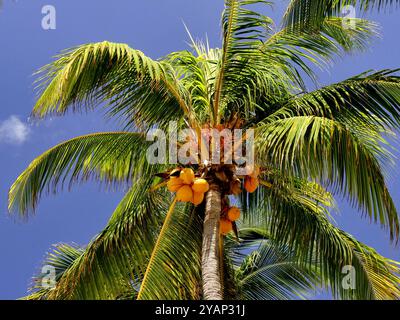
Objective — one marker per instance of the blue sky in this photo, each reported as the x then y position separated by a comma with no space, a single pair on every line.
155,27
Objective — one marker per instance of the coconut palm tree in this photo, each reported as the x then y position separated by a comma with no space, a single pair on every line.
309,147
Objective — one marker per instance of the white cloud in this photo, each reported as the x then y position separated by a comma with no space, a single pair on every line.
13,131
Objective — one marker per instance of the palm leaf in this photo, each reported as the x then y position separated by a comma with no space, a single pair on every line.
309,14
173,271
331,152
116,258
243,30
373,98
321,46
132,85
266,270
61,258
111,157
318,244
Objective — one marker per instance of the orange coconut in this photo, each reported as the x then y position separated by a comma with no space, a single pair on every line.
233,213
198,198
200,185
251,184
174,184
187,175
225,226
184,194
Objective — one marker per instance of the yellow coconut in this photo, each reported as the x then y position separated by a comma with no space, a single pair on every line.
198,198
225,226
187,175
174,184
233,213
200,185
251,184
184,194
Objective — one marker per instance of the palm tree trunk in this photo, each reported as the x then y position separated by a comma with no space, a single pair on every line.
212,287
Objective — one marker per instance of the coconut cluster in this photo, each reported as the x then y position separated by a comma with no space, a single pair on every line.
187,187
226,221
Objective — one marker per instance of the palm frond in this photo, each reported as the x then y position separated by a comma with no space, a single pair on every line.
318,244
196,74
308,194
243,31
373,97
309,14
111,157
266,270
113,265
173,271
130,84
117,257
332,153
321,46
264,72
61,258
381,275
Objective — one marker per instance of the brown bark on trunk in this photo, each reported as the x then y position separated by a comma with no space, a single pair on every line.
212,286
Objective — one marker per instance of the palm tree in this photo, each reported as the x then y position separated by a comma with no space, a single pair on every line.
310,146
